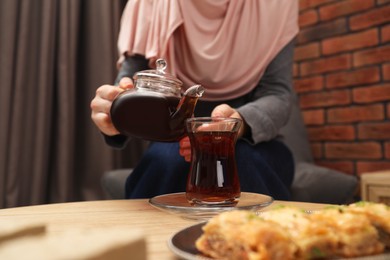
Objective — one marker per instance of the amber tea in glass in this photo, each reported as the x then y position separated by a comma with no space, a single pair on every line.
213,177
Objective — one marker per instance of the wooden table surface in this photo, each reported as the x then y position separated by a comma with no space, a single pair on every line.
158,226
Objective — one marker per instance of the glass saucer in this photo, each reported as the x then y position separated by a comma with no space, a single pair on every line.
176,203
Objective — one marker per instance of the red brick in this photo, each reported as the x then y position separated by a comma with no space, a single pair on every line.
350,42
363,150
295,70
323,30
381,2
313,117
371,56
308,51
355,114
372,166
352,78
340,62
375,131
331,133
385,34
316,150
307,18
309,84
371,18
387,150
305,4
342,166
325,99
343,8
372,93
386,71
388,110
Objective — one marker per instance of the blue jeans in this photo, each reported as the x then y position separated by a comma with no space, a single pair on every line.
266,168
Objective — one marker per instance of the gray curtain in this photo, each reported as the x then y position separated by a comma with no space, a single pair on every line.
53,56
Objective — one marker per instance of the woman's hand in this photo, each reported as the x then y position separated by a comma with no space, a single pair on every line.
101,105
223,110
185,148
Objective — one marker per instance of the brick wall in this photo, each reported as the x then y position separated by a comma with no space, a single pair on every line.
342,77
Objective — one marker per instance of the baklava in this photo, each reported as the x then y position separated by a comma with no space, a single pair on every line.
358,229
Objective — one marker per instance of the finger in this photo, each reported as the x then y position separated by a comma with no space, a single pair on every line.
225,110
126,83
185,152
222,110
185,143
104,123
108,92
100,105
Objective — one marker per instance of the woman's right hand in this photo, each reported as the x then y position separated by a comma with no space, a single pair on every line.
185,148
101,105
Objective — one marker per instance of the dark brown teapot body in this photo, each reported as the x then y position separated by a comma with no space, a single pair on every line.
155,109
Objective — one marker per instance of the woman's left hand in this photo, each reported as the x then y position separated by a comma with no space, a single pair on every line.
223,110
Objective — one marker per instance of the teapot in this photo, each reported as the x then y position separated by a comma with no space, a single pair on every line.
155,109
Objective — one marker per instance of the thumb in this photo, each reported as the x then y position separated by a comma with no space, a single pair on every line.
223,110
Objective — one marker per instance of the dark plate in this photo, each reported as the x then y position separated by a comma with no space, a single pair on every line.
182,244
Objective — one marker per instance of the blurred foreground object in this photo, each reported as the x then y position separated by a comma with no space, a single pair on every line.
18,240
375,186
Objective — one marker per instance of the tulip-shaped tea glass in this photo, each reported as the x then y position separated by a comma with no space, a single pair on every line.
213,178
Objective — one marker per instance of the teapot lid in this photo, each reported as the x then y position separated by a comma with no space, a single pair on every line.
159,74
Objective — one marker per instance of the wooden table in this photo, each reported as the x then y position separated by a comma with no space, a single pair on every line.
158,226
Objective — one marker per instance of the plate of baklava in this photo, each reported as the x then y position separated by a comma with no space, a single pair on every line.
357,231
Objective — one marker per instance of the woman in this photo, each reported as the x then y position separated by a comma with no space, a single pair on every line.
241,51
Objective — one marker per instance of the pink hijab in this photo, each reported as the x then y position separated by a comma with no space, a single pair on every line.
223,45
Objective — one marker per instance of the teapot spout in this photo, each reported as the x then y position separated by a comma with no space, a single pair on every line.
195,91
185,108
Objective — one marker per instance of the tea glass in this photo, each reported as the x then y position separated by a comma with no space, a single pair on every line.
213,179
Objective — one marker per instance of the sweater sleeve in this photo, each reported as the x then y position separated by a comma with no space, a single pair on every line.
128,68
270,107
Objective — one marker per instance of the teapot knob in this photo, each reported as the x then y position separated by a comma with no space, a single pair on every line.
161,65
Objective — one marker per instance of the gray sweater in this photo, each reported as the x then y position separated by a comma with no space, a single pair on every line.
271,100
265,109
